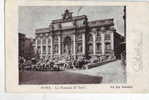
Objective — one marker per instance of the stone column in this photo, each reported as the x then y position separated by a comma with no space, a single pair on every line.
74,44
41,48
94,43
51,44
103,43
112,44
36,48
112,40
83,43
59,45
46,46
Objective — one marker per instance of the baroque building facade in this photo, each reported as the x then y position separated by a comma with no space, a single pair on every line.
77,37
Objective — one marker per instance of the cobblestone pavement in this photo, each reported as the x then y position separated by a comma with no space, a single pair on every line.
112,72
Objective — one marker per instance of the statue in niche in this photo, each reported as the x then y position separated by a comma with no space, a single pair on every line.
67,45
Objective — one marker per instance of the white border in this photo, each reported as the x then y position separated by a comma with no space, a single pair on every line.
4,96
2,46
136,79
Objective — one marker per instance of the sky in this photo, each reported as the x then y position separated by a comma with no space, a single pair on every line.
33,17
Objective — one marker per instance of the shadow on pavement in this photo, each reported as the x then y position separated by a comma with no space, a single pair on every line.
61,77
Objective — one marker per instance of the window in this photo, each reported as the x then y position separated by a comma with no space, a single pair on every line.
44,49
107,37
98,47
98,37
44,41
107,46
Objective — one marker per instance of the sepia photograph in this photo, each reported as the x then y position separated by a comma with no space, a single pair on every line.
72,44
76,47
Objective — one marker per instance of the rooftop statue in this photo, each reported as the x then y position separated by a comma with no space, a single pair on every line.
67,15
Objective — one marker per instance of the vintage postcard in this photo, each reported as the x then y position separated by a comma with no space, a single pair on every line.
77,47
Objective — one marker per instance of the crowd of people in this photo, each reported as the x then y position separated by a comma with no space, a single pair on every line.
51,63
56,63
